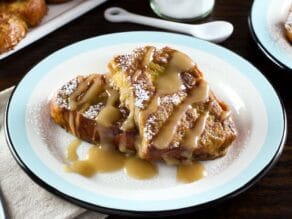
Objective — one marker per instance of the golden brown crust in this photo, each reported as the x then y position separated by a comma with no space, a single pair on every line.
12,30
31,11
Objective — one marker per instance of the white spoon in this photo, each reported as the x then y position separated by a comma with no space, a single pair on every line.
215,31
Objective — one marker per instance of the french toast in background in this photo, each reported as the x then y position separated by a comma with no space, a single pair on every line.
153,102
288,26
31,11
15,18
12,30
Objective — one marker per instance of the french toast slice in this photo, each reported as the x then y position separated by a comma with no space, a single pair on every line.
88,108
177,116
31,11
288,26
12,30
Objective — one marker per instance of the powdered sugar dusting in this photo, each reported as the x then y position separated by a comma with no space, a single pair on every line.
124,61
62,102
65,91
128,62
175,98
142,94
92,111
69,87
148,130
131,65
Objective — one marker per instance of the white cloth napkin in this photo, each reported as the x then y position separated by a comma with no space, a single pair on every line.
24,198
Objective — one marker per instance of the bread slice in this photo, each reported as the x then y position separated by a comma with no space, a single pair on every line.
169,102
31,11
12,30
88,108
288,26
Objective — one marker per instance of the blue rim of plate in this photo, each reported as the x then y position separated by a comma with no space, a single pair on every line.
259,30
19,145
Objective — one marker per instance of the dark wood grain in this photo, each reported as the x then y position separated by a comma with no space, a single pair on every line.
271,197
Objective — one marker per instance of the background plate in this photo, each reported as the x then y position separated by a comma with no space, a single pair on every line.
266,24
39,145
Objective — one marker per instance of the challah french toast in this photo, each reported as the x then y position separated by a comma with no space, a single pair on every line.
89,108
15,18
162,109
288,26
31,11
169,102
12,30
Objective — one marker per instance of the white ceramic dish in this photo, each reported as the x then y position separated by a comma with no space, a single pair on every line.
58,15
39,145
266,24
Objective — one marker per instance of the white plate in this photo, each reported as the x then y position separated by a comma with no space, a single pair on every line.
58,15
39,145
266,24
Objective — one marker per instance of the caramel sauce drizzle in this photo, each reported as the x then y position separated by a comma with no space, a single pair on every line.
99,159
90,95
148,56
76,98
102,159
109,114
198,94
85,95
190,173
192,136
225,114
168,83
72,150
71,122
140,169
81,99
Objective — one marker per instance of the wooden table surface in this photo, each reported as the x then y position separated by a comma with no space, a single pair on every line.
271,197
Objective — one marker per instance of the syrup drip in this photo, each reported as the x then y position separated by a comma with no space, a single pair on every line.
192,136
190,173
140,169
72,150
102,159
109,114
